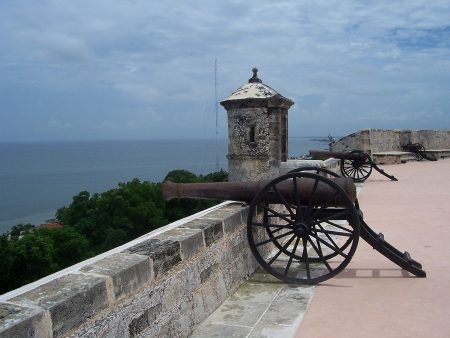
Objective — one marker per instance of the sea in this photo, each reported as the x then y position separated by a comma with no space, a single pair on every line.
38,178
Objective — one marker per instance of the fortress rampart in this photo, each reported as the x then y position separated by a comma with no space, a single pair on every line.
382,140
162,284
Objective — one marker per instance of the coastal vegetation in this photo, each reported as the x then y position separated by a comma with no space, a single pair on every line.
92,224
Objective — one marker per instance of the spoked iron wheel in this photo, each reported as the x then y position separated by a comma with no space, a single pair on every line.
309,234
419,150
358,169
324,172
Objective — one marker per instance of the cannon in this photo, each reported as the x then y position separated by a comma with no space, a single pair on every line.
418,150
302,227
355,164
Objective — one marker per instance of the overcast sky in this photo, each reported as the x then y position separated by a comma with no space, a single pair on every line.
74,70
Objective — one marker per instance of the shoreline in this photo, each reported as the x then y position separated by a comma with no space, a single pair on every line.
35,219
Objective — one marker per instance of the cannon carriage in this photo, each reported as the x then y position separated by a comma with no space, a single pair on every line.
419,151
355,164
302,227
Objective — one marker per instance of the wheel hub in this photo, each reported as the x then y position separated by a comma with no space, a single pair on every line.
301,229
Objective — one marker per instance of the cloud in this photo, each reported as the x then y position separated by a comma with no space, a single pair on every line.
104,61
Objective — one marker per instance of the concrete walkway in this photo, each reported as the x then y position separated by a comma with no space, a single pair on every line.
375,298
372,297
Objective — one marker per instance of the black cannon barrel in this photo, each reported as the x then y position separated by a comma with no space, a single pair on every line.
307,188
337,154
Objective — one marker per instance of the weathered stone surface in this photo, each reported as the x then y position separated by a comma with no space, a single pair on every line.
359,140
212,229
142,322
213,293
198,308
164,253
71,300
231,216
18,321
383,140
191,240
210,270
127,271
183,319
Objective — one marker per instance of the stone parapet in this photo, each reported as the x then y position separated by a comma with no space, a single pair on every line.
374,141
160,285
332,164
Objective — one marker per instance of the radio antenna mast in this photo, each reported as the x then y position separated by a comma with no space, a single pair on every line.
216,101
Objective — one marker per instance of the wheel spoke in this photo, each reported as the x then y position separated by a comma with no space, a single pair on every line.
339,226
274,238
364,170
271,225
348,165
311,199
283,249
327,235
352,172
291,257
337,215
319,252
298,215
337,250
306,258
265,207
330,232
286,204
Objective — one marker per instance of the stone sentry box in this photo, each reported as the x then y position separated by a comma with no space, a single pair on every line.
257,131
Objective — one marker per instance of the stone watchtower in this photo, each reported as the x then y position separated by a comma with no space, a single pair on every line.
257,131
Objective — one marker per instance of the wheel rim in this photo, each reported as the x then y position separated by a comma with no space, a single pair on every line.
358,169
301,241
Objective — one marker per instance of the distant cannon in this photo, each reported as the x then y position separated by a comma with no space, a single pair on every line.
419,151
302,227
355,164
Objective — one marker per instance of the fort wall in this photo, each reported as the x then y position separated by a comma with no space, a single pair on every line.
383,140
162,284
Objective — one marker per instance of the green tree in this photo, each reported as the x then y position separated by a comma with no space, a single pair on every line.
31,258
218,176
6,265
179,208
21,229
117,215
92,224
69,246
181,176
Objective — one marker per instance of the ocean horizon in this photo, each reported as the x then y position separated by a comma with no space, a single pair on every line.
37,178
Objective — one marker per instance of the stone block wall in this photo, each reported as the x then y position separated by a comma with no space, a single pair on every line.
160,285
431,139
359,140
383,140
